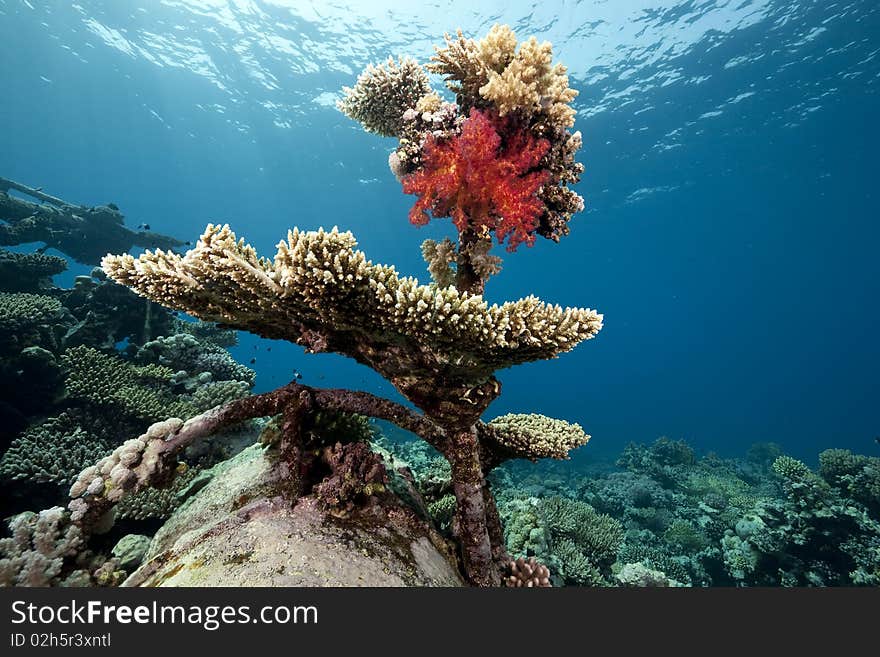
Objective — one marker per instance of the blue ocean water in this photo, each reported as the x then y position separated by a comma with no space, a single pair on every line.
730,236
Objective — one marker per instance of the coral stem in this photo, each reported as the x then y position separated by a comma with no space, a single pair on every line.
473,531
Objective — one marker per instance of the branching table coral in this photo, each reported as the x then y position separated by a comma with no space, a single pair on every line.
83,233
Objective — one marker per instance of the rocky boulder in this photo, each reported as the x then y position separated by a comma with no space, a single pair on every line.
241,529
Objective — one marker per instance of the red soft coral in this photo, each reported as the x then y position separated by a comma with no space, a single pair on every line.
480,182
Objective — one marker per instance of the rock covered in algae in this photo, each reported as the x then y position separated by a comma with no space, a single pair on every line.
239,530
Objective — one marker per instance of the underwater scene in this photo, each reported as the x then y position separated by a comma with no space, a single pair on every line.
383,293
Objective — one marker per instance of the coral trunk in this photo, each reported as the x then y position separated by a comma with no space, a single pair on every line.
473,531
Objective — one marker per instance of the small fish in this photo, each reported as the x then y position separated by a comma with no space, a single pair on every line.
188,243
268,348
144,226
297,375
253,360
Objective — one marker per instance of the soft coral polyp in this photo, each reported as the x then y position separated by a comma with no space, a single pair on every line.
484,178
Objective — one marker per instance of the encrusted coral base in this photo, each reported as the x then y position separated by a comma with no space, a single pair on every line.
241,530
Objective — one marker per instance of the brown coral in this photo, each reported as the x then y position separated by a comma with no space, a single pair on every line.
527,573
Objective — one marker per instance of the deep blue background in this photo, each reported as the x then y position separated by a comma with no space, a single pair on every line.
731,232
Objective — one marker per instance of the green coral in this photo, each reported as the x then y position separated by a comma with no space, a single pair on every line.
218,393
684,536
575,566
523,534
142,393
157,502
28,320
855,474
442,511
28,272
55,450
655,559
596,535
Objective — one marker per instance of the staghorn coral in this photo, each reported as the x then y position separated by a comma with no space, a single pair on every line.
483,184
382,94
596,535
538,435
462,63
493,71
574,566
530,83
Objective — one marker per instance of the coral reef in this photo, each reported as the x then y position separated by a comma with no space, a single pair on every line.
856,474
28,320
55,450
489,162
